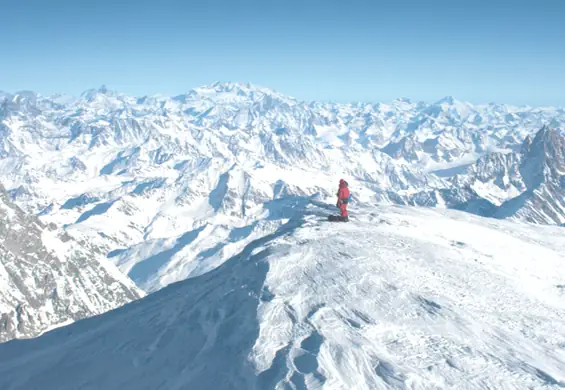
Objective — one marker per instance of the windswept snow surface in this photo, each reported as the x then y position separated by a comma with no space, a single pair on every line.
403,298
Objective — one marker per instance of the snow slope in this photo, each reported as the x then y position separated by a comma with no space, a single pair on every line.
405,298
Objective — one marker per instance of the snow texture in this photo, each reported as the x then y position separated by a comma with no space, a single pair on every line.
402,297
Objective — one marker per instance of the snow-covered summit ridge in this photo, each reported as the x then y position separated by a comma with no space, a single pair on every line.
401,298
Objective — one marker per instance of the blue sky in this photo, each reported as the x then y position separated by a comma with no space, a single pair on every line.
480,51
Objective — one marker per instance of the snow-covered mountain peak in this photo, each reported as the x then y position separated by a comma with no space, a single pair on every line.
453,108
21,96
403,100
401,298
544,157
170,189
22,101
92,93
99,102
448,100
232,92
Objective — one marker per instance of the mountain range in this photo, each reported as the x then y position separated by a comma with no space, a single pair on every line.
183,242
170,187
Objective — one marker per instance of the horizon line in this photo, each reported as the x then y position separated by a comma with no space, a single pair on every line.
103,89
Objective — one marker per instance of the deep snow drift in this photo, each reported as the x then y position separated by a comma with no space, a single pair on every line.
401,297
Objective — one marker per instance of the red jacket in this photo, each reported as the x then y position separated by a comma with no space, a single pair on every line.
343,192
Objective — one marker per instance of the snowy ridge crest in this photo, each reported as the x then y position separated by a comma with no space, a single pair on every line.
402,298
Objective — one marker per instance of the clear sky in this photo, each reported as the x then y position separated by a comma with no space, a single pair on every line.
480,51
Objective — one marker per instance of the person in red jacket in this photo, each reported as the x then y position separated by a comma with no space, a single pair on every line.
343,199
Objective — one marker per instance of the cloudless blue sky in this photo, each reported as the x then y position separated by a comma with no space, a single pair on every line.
480,51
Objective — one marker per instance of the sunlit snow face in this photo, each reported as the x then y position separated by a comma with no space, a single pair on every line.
401,295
